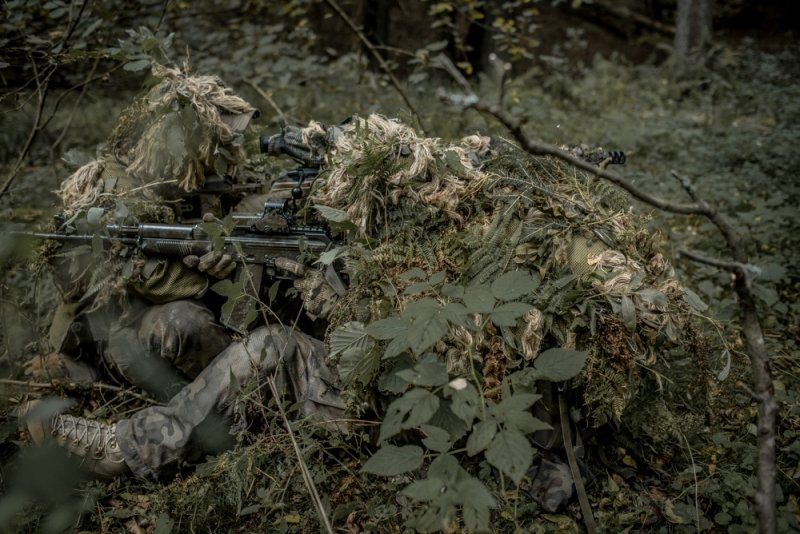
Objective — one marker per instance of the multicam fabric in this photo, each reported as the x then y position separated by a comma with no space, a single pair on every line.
200,416
161,348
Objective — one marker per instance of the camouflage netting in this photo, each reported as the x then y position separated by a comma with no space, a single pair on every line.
165,143
467,213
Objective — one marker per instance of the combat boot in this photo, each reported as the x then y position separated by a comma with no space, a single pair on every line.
95,443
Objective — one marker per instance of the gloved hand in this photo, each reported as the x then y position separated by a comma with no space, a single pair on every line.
213,263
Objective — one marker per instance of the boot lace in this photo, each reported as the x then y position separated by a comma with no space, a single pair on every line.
95,439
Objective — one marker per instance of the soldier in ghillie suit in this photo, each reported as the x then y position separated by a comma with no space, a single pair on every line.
476,275
144,317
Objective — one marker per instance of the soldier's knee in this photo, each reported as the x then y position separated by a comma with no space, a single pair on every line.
182,316
167,328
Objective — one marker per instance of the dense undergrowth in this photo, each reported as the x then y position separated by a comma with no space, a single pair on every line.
730,126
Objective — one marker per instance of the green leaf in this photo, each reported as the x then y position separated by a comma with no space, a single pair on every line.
226,288
228,223
524,422
421,308
273,291
328,257
560,364
424,490
515,403
388,328
465,400
395,347
437,439
628,313
479,299
453,291
252,313
511,453
693,300
476,500
94,216
413,274
426,330
513,285
417,287
390,460
437,277
358,364
654,297
508,313
456,313
445,418
480,437
216,233
165,524
446,468
137,65
454,161
390,382
331,214
409,411
429,372
350,335
437,45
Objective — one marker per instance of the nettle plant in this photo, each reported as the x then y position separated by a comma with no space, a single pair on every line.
440,420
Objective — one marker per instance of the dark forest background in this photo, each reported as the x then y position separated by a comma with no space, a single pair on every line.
710,89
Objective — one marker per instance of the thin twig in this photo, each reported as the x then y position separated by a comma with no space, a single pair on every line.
78,387
312,488
266,97
72,26
361,37
696,485
515,126
74,110
42,87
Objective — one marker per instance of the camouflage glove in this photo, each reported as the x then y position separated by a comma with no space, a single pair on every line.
212,263
321,291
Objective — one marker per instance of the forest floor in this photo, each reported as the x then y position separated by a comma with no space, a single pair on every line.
731,127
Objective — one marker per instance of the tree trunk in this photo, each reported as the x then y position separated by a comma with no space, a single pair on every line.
692,28
375,24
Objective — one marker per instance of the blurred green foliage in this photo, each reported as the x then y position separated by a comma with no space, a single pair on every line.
731,125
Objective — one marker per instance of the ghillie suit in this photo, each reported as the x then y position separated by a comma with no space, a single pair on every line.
165,143
481,257
162,149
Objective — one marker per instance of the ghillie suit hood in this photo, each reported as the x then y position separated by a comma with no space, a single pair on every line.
485,257
162,148
166,142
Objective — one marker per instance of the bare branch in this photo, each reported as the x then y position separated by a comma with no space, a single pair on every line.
266,97
733,266
537,148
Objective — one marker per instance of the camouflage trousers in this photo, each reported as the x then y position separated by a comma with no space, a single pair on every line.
160,348
199,418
